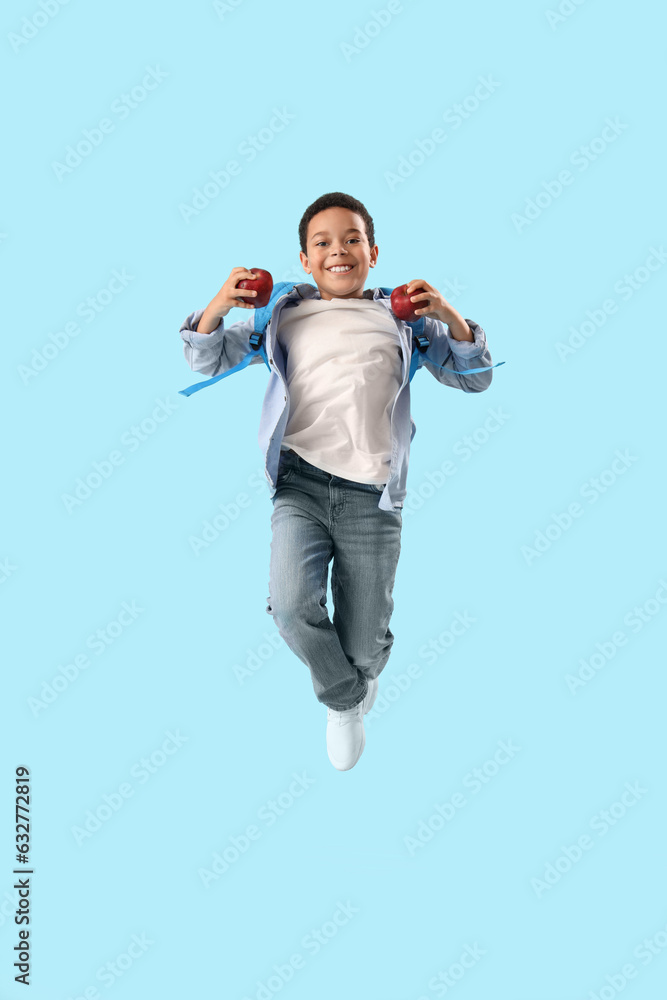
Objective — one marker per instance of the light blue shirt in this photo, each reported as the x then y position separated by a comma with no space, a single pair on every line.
223,348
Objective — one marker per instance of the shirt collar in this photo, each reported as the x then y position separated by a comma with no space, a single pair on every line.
305,290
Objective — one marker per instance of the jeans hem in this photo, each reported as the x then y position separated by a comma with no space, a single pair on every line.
349,707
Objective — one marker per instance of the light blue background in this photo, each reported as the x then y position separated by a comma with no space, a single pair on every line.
67,574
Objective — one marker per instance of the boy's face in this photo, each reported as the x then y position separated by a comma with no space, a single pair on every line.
337,238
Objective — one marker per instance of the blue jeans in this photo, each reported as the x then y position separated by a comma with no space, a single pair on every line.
318,517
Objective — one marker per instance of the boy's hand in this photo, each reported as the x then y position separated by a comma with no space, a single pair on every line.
228,297
437,307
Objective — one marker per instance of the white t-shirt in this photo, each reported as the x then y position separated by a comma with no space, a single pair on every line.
343,362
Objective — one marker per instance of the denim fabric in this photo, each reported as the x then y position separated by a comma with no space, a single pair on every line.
318,517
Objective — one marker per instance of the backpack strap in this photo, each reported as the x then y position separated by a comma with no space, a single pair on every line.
263,315
420,342
256,339
419,339
256,345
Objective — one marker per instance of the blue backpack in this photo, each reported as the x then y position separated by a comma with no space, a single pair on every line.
420,343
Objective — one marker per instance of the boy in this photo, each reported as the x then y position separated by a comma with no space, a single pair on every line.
336,432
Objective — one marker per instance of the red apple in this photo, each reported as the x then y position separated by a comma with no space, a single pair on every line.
403,307
262,284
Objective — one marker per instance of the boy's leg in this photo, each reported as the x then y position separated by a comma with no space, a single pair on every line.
367,545
301,549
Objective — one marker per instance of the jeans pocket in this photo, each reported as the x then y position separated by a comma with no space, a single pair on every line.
286,470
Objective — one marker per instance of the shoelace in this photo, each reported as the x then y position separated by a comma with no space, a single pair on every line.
342,718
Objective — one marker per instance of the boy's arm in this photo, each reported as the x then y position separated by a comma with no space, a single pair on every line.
216,352
457,355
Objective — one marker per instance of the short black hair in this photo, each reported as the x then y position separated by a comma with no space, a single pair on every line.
336,199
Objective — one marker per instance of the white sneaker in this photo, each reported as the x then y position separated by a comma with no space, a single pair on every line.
346,738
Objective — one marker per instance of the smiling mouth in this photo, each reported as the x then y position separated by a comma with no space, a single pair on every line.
347,271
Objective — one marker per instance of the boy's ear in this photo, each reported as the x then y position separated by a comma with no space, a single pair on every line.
304,261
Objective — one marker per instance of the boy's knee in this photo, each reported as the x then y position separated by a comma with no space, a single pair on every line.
298,612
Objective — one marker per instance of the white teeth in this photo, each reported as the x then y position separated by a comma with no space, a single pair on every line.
340,270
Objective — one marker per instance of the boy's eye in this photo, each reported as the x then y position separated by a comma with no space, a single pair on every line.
355,238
